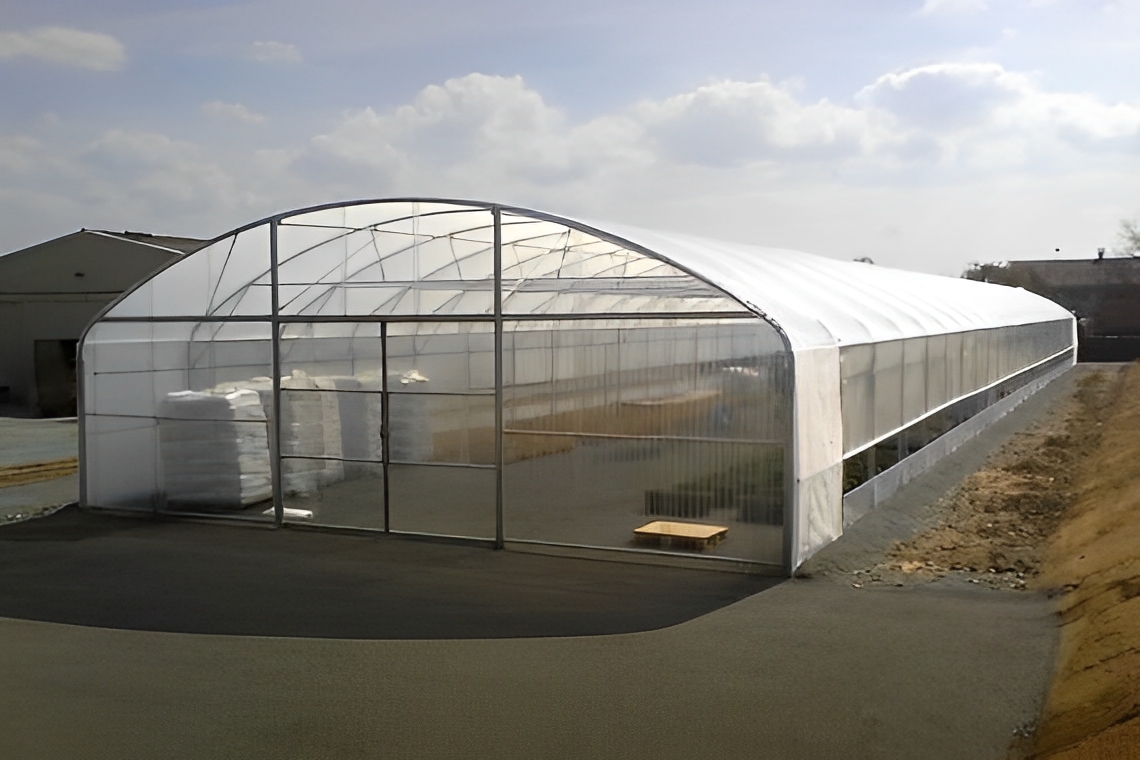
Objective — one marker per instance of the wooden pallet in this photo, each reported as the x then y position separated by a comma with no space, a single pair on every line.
689,535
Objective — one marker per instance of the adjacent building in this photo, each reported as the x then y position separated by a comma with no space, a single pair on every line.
1104,293
49,293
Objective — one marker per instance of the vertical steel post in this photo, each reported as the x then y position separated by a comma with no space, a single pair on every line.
275,431
498,264
385,457
81,414
792,502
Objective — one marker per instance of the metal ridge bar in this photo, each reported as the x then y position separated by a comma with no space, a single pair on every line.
625,437
350,318
275,349
459,465
497,265
323,458
385,431
485,394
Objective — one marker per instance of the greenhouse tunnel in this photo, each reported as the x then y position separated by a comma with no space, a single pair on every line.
471,370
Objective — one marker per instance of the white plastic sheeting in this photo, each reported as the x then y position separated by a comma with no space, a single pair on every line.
818,301
818,452
348,267
822,305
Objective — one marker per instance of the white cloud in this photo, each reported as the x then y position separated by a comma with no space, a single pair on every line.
979,116
235,111
946,96
731,123
482,126
918,152
155,170
21,155
275,52
1122,6
69,47
953,118
954,6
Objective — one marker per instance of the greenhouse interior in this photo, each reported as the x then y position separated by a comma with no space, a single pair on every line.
485,372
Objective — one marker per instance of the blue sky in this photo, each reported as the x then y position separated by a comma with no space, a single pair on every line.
923,133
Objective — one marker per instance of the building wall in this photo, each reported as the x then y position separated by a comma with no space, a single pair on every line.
13,369
49,292
23,324
1102,293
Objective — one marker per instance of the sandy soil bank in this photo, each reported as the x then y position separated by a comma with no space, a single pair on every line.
1057,509
996,524
1093,559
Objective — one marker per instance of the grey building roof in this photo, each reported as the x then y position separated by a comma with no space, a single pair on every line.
173,242
87,263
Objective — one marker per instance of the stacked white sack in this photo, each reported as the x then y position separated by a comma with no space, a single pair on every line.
302,435
214,449
253,446
330,430
262,388
374,416
359,409
409,418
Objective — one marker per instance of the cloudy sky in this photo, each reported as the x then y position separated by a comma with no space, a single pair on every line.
922,133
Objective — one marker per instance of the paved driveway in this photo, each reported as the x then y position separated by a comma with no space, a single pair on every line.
807,668
28,441
25,441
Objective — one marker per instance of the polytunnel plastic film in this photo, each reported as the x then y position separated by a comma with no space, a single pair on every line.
360,372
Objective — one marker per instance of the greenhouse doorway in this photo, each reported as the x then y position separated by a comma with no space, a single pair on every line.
408,436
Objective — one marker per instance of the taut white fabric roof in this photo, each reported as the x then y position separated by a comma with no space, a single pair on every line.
551,264
819,301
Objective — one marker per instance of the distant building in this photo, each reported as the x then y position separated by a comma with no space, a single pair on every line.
48,294
1103,293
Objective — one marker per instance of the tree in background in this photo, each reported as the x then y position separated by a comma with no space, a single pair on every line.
1129,238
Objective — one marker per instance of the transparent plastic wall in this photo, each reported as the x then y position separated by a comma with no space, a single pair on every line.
887,386
610,423
361,374
430,385
174,416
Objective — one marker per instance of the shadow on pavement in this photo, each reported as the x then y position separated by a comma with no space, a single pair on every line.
136,573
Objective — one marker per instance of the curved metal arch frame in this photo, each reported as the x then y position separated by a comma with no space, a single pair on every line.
497,210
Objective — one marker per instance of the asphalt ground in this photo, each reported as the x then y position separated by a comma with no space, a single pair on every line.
807,668
24,441
31,498
28,441
94,569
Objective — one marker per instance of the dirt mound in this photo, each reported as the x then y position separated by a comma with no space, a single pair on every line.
1058,509
1119,742
994,526
1093,707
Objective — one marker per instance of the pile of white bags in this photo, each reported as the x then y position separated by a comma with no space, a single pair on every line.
410,425
310,429
215,443
373,441
359,411
215,449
